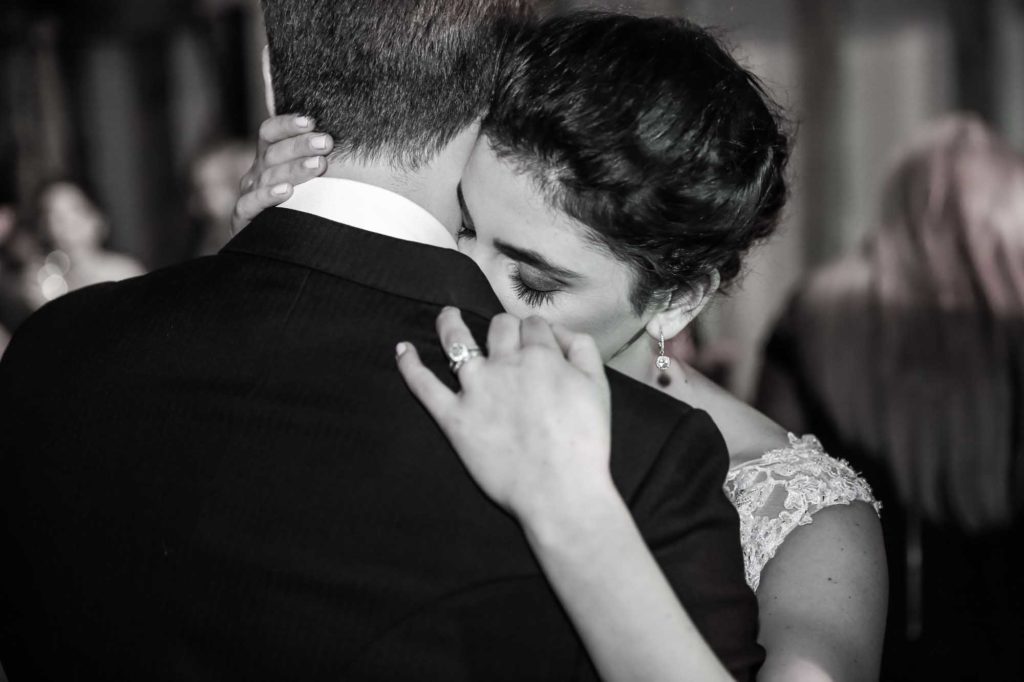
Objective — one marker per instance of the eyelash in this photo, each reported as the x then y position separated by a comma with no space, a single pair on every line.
524,292
532,297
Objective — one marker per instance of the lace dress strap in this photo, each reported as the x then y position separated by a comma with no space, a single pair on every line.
783,489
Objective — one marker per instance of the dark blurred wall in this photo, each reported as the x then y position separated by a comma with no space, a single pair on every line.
123,93
118,17
13,20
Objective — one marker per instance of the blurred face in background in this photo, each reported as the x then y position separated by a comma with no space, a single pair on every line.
69,219
215,178
7,222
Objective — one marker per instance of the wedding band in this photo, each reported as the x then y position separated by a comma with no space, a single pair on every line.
459,354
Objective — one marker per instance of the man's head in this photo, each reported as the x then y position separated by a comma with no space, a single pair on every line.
390,80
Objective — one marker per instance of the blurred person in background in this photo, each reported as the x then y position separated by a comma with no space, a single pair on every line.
9,304
907,357
678,185
20,258
74,229
214,178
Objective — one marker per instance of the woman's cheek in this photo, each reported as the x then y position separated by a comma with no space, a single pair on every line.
502,287
467,247
513,305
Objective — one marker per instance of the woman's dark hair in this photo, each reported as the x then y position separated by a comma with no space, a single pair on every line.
647,131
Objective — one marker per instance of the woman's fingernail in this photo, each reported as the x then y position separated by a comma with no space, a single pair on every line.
312,162
320,142
400,349
302,121
280,190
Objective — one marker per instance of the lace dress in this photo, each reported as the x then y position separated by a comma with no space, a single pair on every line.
783,489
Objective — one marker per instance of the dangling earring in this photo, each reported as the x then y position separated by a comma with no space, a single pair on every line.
663,362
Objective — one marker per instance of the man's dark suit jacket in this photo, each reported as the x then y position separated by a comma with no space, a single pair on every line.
215,472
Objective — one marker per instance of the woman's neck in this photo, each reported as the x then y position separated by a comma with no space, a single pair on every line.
747,432
638,362
637,359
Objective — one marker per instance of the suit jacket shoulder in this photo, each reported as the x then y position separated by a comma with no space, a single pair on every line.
227,457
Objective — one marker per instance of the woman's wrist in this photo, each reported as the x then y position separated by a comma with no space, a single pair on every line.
577,521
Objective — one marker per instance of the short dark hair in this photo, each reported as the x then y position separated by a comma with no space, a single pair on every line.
650,133
396,79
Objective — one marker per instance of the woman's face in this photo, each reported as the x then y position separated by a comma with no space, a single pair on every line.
540,261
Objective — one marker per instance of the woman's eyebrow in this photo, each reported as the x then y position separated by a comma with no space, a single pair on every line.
531,258
535,260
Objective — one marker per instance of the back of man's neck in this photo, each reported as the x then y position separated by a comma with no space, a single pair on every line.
430,190
433,185
380,175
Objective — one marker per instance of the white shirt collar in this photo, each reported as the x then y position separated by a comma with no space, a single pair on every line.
370,208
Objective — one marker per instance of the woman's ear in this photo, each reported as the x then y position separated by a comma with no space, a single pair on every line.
268,84
684,308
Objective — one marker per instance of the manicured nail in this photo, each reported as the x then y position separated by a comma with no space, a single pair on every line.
400,349
302,121
312,162
280,190
320,142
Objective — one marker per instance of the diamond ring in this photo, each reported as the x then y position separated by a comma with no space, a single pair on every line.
459,354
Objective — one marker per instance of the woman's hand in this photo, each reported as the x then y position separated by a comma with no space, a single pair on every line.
289,153
532,425
532,421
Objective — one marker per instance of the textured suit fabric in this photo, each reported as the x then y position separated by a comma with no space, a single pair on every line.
215,472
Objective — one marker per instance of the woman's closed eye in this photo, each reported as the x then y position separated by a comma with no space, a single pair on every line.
465,232
533,292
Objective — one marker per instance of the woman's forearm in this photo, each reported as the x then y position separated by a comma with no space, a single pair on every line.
624,609
534,432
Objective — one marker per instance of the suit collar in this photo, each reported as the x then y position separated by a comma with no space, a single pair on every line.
422,272
369,208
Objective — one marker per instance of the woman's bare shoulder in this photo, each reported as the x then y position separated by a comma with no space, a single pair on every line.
813,551
823,597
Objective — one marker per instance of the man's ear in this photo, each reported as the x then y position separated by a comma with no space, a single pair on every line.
268,84
684,308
